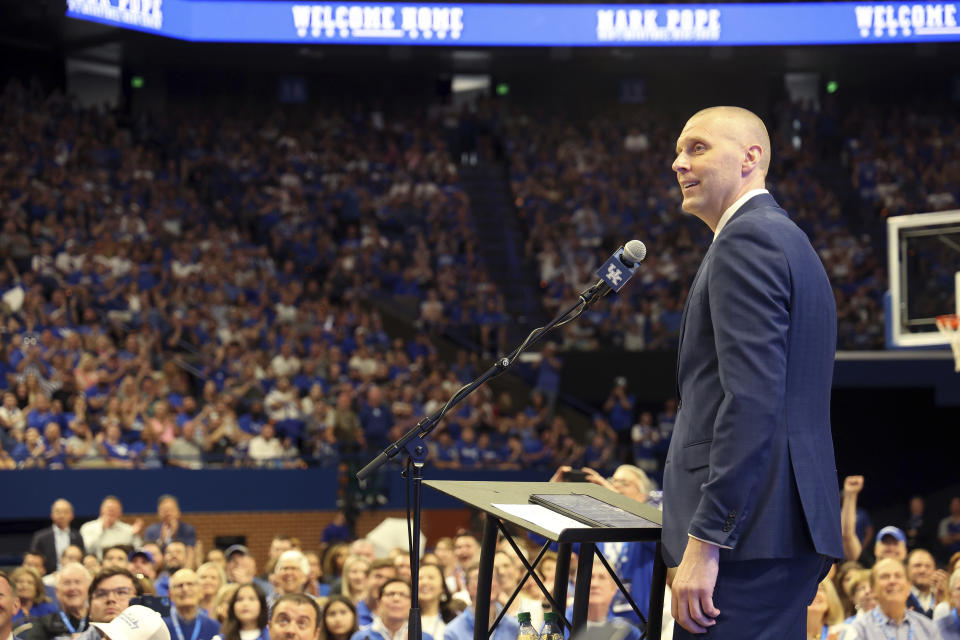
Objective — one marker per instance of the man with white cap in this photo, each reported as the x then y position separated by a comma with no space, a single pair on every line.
109,596
134,623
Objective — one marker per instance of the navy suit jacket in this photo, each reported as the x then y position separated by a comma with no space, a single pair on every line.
751,465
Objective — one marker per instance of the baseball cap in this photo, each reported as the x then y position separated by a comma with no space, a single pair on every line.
890,530
136,622
236,548
140,552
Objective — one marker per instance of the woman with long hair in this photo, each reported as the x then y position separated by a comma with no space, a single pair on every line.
221,602
435,611
841,580
22,393
332,563
825,614
949,624
86,373
33,597
315,586
246,615
162,423
448,562
211,577
339,619
353,584
861,592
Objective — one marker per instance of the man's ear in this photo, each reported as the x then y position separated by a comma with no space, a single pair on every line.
751,158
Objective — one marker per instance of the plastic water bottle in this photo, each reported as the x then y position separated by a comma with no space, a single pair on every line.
550,629
526,631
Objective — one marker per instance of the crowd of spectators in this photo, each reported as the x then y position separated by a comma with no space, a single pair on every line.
195,289
904,576
138,338
583,186
358,587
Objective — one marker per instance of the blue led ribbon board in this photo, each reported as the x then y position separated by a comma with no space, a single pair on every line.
573,25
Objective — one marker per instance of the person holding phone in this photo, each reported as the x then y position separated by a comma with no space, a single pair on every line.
632,561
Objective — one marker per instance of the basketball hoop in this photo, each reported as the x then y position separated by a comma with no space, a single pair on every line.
949,326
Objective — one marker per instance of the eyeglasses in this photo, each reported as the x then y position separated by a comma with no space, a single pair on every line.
119,592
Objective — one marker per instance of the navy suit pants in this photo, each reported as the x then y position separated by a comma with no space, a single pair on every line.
763,599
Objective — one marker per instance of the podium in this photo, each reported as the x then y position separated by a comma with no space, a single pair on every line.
484,495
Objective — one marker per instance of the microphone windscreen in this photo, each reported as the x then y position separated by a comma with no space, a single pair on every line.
634,251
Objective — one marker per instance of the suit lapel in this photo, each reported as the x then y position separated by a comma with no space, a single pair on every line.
683,317
756,202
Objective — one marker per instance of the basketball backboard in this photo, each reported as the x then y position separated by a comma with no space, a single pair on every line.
923,259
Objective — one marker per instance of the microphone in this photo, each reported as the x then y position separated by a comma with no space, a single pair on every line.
620,267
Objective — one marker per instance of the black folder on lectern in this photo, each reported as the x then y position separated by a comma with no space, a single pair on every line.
642,524
589,510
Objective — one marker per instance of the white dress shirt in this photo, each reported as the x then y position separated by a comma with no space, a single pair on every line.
732,209
61,540
96,538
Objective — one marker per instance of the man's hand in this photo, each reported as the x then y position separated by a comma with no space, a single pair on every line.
596,478
168,530
590,476
693,586
938,584
243,571
853,485
558,474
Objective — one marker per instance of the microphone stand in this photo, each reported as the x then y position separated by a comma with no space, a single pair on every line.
412,442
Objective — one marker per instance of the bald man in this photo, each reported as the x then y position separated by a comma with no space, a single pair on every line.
891,618
751,512
186,620
73,584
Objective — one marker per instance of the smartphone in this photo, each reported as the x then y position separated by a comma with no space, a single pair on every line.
575,475
160,604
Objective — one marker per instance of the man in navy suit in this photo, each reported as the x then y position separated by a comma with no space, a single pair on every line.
751,497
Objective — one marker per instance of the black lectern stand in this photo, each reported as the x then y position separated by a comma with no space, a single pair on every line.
483,495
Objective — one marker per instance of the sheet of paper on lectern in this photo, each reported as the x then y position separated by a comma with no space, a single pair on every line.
541,517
